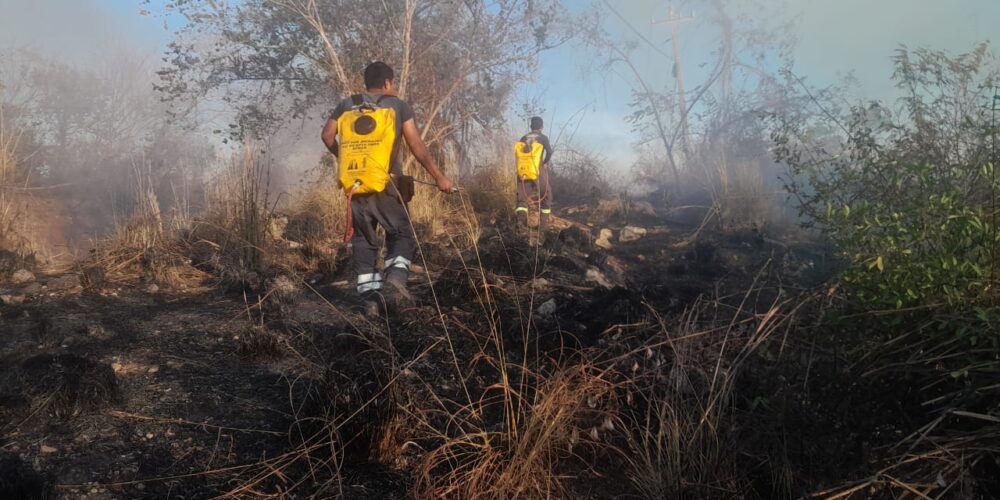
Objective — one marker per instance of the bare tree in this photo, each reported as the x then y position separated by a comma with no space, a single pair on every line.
458,62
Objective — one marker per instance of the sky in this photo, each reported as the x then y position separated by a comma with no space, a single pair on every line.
834,38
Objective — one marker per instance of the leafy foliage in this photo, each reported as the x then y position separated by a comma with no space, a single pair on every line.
910,197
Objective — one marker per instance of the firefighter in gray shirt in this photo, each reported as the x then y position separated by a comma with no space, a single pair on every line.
352,134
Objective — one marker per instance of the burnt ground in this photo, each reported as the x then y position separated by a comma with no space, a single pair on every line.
127,391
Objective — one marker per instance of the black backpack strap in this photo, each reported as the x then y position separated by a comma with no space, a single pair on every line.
379,100
357,100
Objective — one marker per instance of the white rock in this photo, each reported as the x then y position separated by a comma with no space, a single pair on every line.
12,300
594,275
631,233
604,239
540,283
548,308
22,276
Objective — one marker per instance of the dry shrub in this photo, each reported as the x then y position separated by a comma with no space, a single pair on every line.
431,209
232,238
259,343
239,205
579,177
14,246
492,188
140,248
522,460
316,222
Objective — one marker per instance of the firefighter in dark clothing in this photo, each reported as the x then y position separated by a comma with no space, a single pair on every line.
532,153
364,133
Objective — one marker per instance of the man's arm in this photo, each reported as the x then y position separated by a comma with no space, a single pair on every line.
329,136
548,150
423,156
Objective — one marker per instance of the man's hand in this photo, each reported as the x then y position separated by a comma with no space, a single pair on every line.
445,185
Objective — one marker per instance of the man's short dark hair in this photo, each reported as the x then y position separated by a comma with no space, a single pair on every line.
376,75
536,123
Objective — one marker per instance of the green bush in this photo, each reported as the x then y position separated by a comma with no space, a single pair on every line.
909,197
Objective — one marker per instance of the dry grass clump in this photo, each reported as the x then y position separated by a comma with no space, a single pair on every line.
140,248
936,463
231,238
955,453
259,343
240,210
314,225
521,460
681,425
493,188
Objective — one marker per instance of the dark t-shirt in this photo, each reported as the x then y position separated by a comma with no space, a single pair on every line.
544,141
403,113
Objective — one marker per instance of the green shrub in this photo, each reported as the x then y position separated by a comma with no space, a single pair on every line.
909,198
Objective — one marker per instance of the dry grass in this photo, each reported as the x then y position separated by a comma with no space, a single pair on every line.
140,247
520,461
239,209
12,239
493,189
680,420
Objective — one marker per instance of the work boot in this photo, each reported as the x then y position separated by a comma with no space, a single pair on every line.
521,227
395,289
371,303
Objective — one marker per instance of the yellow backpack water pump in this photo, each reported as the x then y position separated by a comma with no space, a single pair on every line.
367,135
529,158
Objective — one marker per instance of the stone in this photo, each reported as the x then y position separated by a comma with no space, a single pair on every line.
594,275
12,300
548,308
47,449
540,283
153,288
631,233
22,276
604,239
32,289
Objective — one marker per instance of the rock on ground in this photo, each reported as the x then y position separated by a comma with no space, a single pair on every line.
22,276
12,300
594,275
604,239
548,308
631,233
